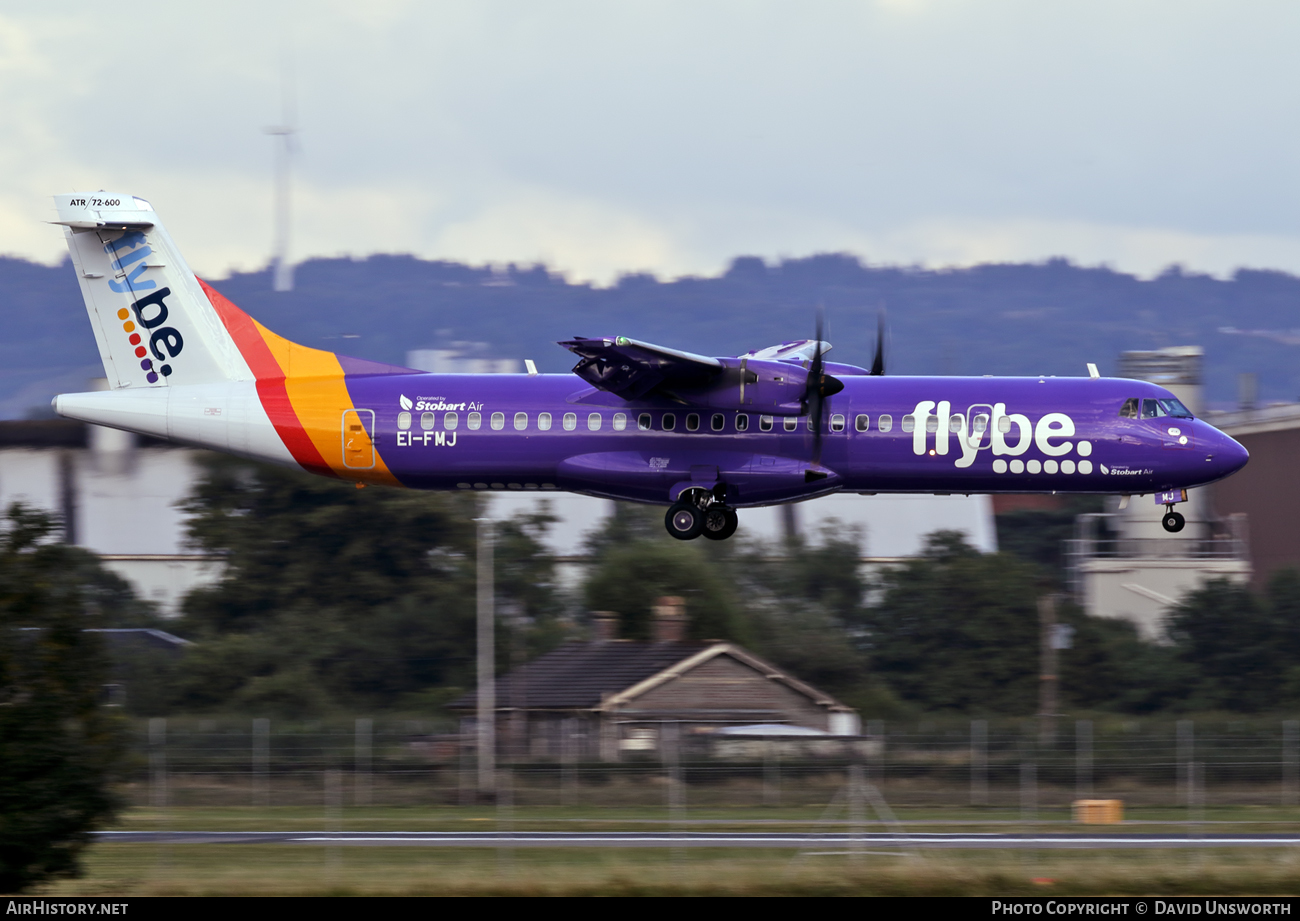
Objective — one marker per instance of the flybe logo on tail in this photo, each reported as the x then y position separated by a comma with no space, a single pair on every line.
127,254
150,312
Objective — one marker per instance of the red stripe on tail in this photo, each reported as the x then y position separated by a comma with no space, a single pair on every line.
270,382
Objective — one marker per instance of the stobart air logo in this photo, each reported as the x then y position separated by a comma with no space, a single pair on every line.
406,438
150,311
989,427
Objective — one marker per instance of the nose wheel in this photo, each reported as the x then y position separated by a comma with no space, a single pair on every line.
1173,522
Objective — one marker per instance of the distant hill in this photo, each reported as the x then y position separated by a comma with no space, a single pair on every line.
1048,318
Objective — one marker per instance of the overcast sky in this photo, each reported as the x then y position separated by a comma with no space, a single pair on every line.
668,137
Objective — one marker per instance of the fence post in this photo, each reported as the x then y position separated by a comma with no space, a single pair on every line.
876,731
771,772
158,762
979,762
1083,759
1290,762
568,761
364,731
857,810
333,814
670,752
1186,748
261,762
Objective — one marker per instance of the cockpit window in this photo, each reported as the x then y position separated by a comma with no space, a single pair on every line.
1129,410
1175,408
1155,409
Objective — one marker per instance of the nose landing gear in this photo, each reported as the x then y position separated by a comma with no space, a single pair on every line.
699,511
1173,522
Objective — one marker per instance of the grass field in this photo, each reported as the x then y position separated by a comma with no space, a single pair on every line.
277,869
223,870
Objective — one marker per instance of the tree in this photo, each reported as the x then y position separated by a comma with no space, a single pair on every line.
58,744
334,595
1241,648
635,562
955,629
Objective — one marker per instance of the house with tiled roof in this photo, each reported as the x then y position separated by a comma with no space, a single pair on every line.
609,696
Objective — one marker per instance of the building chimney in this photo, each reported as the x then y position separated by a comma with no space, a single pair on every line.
1247,391
669,619
604,626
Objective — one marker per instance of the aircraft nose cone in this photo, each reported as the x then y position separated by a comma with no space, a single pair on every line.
1226,455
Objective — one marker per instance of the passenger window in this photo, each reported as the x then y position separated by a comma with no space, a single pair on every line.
692,422
474,421
956,422
1151,409
620,421
884,422
593,422
544,422
643,422
837,423
521,421
403,420
1129,410
426,421
717,422
449,422
742,422
862,423
1004,424
790,423
909,423
669,422
932,424
498,421
765,423
570,421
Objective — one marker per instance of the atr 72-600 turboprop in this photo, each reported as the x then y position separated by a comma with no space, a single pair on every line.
703,436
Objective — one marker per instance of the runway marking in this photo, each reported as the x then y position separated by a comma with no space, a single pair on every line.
990,840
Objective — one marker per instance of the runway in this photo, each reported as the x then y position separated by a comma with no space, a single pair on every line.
779,840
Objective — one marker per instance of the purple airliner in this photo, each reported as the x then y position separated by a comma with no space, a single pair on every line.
703,436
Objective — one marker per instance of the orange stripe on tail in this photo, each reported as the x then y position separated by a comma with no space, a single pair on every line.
271,388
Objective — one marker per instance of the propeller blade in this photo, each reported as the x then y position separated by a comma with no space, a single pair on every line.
816,389
878,363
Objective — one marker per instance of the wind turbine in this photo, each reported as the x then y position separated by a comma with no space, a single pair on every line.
285,148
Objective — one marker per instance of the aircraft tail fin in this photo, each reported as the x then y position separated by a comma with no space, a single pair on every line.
154,322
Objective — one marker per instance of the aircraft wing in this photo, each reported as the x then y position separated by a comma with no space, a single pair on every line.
631,369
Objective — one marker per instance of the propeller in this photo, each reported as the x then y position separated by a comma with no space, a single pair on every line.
878,363
819,388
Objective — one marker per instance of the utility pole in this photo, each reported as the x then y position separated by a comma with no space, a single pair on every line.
1048,643
285,145
487,691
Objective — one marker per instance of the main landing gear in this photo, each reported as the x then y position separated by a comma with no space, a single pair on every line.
699,511
1173,522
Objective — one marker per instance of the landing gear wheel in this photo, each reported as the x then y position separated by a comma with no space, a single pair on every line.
1173,522
720,522
684,522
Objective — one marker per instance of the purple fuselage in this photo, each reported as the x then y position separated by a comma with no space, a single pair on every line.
919,435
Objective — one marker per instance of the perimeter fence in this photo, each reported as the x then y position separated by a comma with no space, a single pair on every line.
996,764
